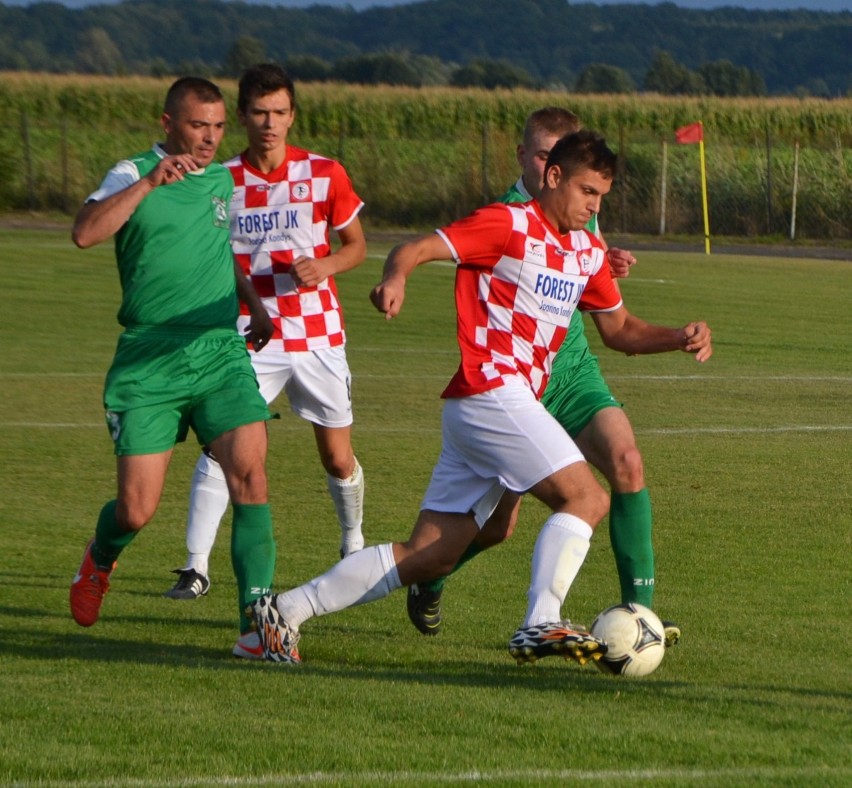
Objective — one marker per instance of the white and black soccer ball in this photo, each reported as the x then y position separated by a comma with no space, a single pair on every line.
635,640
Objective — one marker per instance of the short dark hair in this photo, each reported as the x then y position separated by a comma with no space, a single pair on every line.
261,80
582,150
203,89
551,120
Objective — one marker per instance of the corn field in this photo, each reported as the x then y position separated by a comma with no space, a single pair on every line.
421,157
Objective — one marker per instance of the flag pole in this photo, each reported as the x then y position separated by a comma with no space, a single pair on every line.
704,191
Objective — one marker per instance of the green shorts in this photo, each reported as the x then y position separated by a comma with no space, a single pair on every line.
165,380
573,397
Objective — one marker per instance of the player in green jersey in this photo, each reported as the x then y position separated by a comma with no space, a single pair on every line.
579,398
179,362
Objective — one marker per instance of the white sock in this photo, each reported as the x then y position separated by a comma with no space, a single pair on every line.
559,553
208,502
365,576
348,498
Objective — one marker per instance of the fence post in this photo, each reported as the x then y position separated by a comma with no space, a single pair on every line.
28,160
63,153
486,198
795,191
768,180
341,144
663,176
622,170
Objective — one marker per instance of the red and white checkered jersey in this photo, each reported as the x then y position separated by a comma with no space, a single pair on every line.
279,216
518,281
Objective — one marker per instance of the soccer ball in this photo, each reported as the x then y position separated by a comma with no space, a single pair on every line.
635,639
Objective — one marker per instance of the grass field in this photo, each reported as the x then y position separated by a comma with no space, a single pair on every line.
747,459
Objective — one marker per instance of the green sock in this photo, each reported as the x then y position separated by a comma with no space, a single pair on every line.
437,585
110,539
630,533
252,555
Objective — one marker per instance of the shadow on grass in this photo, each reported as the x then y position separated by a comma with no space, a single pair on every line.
436,663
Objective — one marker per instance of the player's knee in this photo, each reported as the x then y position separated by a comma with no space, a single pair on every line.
420,565
248,485
590,505
629,473
493,534
601,506
134,516
488,539
339,466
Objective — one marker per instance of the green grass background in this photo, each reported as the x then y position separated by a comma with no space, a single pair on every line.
747,458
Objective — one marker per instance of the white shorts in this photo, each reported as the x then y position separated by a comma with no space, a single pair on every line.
317,383
501,439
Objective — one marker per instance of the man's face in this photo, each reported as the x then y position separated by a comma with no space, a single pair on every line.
196,128
267,119
569,202
532,159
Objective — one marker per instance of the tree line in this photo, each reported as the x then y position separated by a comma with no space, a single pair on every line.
539,44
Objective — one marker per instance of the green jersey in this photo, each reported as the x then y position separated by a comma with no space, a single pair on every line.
575,347
174,255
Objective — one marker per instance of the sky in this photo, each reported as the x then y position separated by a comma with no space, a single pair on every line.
762,5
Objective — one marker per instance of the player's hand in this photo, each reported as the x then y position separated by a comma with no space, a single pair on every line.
308,271
696,340
171,169
387,296
620,261
259,330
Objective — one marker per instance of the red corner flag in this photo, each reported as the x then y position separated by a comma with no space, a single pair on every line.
694,132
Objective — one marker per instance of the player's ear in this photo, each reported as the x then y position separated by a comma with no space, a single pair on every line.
552,176
166,122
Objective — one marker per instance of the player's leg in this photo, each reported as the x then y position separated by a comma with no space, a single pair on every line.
538,456
457,503
140,485
143,437
578,503
345,479
583,404
242,453
437,541
209,498
609,444
423,602
208,501
320,391
230,416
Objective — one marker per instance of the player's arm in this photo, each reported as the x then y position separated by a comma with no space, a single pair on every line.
629,334
309,271
620,262
387,296
98,220
260,328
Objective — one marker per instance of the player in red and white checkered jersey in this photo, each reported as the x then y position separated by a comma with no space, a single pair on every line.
286,203
521,272
518,283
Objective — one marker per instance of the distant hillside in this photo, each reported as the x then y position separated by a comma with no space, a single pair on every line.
551,39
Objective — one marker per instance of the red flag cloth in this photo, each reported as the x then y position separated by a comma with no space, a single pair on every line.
694,132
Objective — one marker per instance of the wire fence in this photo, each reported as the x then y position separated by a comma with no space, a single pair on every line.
755,186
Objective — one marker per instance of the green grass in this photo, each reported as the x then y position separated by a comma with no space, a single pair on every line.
747,459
